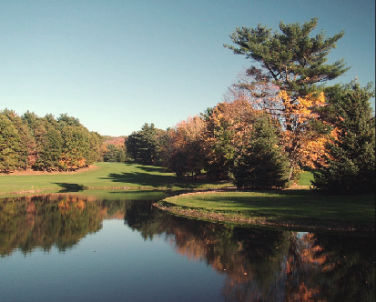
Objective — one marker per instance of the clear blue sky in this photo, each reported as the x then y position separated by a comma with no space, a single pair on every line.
117,64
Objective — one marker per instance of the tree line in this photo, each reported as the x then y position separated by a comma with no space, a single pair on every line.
280,117
45,143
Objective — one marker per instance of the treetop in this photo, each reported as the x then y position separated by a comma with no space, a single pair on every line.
289,57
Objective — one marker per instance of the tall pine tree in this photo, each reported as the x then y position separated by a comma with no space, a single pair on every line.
295,63
350,164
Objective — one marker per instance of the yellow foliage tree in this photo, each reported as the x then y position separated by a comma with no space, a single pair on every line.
304,134
186,146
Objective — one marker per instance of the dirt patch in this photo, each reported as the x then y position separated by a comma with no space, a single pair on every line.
31,172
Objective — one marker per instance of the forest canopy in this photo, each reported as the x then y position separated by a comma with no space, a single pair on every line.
46,143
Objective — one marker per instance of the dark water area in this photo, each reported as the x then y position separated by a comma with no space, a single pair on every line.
118,247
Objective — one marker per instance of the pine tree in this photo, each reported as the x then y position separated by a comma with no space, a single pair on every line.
51,152
27,142
262,164
142,145
350,164
292,59
9,145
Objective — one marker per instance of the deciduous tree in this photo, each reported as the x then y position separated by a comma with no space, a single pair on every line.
75,149
227,132
187,147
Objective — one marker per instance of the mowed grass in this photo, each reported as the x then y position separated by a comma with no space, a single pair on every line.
105,176
305,179
297,207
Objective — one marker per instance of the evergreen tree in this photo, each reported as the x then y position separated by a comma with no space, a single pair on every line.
9,145
350,164
262,164
65,120
293,60
51,151
27,142
142,145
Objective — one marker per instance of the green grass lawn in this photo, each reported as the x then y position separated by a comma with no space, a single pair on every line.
294,207
106,176
305,179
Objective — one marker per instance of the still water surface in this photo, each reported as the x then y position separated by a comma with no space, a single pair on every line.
118,247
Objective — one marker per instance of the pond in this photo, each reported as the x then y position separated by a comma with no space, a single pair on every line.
117,247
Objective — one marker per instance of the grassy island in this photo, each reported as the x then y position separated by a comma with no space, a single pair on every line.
286,208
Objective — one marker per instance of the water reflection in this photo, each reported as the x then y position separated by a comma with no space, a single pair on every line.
258,265
46,221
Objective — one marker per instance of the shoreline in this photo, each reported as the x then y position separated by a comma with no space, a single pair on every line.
239,219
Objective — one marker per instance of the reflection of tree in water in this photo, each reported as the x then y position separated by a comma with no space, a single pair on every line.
45,221
348,268
244,255
139,215
263,265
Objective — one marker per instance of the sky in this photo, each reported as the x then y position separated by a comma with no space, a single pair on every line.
118,64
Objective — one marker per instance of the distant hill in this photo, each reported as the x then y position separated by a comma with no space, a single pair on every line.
117,141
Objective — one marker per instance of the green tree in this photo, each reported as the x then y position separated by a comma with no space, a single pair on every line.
96,142
114,154
295,63
27,142
80,147
51,152
292,59
350,163
262,164
66,120
227,133
76,147
38,129
9,145
142,145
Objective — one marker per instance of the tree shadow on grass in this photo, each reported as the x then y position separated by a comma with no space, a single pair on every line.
139,179
152,169
67,187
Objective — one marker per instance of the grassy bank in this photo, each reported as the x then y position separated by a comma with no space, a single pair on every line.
290,208
102,176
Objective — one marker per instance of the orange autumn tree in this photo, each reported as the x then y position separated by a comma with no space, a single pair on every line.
186,147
